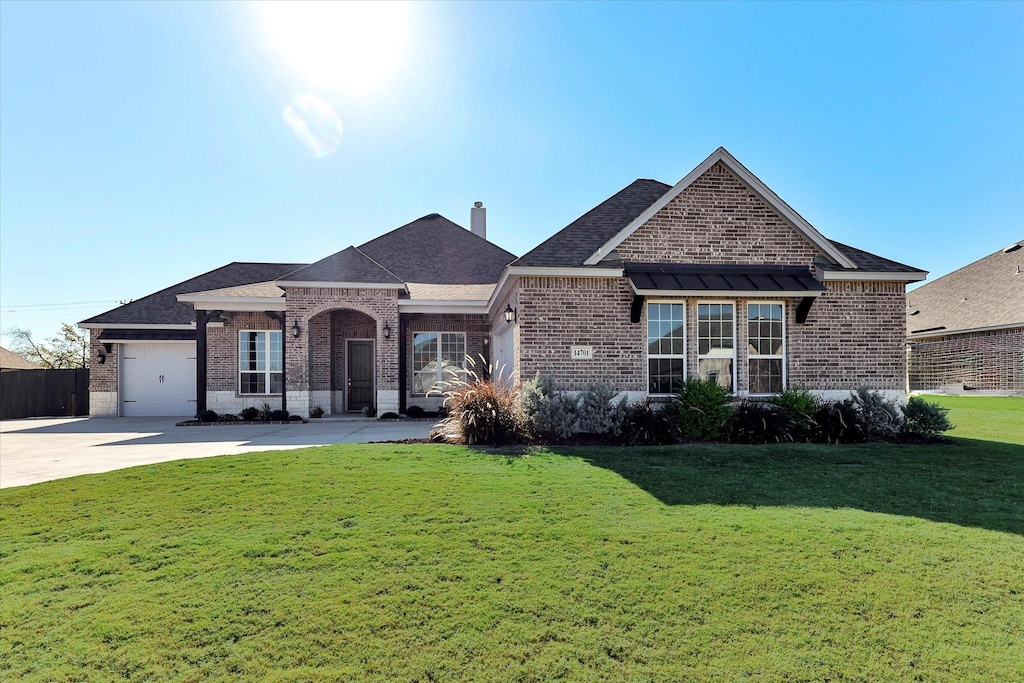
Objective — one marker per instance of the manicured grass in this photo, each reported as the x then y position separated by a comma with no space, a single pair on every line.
991,418
418,563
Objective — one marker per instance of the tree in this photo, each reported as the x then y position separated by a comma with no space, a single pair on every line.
68,349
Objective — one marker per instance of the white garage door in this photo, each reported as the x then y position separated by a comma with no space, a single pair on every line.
158,379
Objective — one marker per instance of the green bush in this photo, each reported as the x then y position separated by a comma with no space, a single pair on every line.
415,412
389,416
703,409
797,406
647,424
249,413
277,415
924,419
228,418
882,418
207,416
762,422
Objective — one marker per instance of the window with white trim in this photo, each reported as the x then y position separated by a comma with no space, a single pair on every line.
766,348
260,366
436,357
716,343
666,346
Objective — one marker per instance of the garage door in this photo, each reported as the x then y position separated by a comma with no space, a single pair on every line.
158,379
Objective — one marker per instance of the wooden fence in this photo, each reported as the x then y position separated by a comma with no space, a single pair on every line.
43,393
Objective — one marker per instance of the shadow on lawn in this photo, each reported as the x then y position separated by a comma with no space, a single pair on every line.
967,482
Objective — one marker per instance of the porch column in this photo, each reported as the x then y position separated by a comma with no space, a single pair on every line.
202,318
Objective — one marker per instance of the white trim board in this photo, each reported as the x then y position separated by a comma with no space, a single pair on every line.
747,178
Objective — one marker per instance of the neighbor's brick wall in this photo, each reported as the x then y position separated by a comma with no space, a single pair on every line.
717,220
991,361
854,336
101,377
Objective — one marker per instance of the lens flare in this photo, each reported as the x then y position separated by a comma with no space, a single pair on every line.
315,124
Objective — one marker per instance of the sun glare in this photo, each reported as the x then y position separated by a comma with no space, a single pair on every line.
352,46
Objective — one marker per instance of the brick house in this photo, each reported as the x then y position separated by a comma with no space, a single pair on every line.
965,330
714,277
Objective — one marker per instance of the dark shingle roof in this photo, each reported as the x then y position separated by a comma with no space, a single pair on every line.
348,265
575,243
163,308
986,293
720,277
9,360
434,250
870,262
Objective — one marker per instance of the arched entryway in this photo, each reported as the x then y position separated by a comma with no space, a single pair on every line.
343,359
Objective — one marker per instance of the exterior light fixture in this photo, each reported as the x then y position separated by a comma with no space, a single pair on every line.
296,330
387,331
511,314
101,357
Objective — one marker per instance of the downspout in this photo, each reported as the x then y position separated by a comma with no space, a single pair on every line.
280,317
403,322
202,318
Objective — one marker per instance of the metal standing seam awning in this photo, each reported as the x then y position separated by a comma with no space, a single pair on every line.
712,279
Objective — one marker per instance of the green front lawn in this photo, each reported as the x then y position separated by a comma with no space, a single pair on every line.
992,418
418,563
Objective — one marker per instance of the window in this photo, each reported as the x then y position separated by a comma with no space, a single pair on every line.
666,348
436,357
716,347
260,369
766,348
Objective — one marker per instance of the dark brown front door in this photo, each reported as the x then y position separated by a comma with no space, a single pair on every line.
360,374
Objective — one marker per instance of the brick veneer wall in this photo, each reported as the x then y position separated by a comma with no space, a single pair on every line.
347,325
308,359
101,377
717,219
222,349
990,361
477,331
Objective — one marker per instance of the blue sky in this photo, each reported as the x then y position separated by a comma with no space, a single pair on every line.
144,143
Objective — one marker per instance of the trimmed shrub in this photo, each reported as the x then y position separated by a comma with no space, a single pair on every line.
647,424
229,418
925,420
207,416
762,422
839,422
882,418
277,415
482,411
703,409
797,406
597,411
295,418
549,413
249,413
415,412
389,416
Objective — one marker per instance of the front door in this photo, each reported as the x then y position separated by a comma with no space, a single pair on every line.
360,374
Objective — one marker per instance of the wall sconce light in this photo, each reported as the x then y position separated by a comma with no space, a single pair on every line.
102,357
296,330
387,331
511,314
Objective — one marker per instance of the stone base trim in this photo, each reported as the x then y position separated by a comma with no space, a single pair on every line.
387,401
228,402
103,404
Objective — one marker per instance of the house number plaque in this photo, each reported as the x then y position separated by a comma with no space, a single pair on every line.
583,353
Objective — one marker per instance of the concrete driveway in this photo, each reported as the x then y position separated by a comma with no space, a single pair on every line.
41,449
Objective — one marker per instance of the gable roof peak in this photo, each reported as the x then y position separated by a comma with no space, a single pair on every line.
751,181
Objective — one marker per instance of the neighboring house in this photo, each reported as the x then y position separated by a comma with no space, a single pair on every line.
9,360
965,330
714,277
